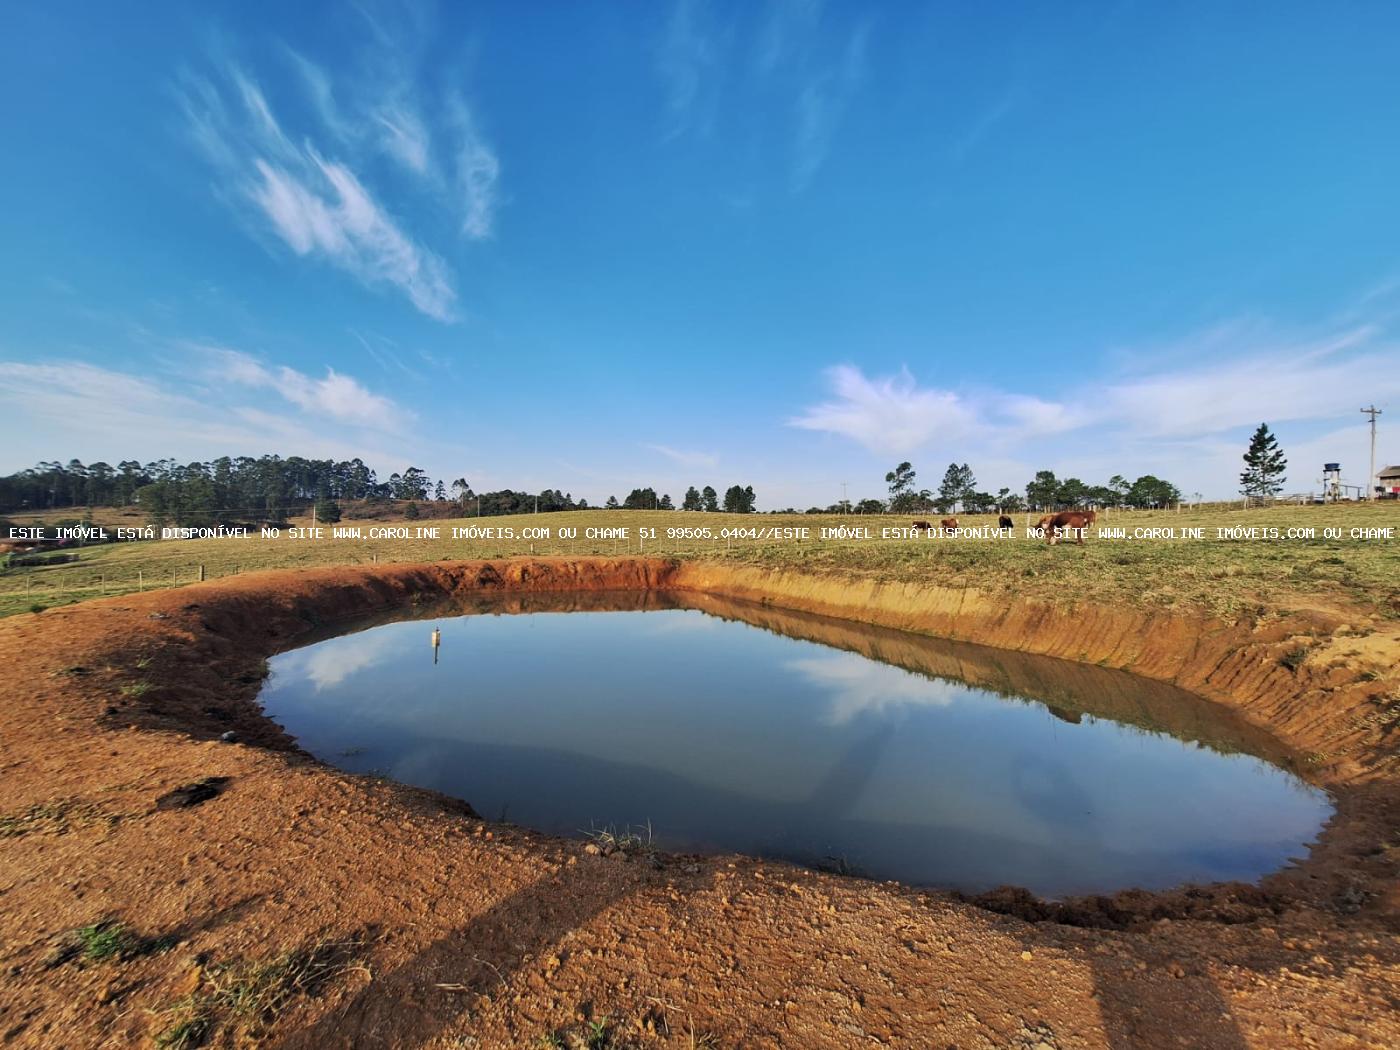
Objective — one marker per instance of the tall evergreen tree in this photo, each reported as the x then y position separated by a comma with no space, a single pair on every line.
1264,465
711,498
900,480
957,485
1042,491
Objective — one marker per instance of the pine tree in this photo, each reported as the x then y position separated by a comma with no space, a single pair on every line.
1264,465
900,480
958,484
1041,492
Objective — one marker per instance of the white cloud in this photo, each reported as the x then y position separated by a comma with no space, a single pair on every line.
889,414
686,458
983,125
327,211
315,197
1182,423
1284,382
404,138
100,413
478,170
335,396
386,111
687,52
792,25
822,104
1032,416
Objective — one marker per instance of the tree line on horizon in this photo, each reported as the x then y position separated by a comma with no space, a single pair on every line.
271,489
738,499
245,489
959,491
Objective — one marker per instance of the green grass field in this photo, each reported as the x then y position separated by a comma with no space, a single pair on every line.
1220,574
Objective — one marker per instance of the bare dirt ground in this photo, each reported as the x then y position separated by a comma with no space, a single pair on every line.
277,902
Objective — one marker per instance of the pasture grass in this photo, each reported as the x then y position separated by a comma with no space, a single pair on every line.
1221,575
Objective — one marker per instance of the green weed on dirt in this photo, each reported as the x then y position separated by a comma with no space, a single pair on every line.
248,995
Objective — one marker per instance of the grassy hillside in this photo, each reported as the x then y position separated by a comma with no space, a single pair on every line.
1222,574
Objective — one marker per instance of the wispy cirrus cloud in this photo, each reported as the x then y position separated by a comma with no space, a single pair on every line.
404,137
434,135
807,71
1288,380
686,458
984,123
690,49
319,208
822,105
310,186
477,171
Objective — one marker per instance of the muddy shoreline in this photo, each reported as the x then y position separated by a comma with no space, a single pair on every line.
108,700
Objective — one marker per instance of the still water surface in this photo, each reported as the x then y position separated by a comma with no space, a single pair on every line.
885,754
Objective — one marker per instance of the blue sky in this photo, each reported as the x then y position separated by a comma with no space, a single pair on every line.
787,245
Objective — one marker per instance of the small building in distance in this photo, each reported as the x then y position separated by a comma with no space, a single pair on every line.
1388,483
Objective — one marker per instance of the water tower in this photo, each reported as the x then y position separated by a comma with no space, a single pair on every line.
1332,481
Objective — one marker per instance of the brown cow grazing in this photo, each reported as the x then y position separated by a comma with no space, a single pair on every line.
1004,522
1043,523
949,523
922,526
1078,520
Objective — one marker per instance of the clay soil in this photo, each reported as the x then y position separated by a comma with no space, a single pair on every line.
267,899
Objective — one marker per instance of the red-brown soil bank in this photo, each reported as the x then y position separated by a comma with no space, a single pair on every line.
465,933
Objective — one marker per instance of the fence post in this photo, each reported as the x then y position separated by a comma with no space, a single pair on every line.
102,581
140,580
201,572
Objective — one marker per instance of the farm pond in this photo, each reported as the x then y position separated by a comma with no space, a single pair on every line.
705,725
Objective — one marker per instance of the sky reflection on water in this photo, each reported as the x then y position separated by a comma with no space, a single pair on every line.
729,737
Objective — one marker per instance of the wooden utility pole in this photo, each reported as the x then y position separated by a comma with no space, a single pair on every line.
1373,412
